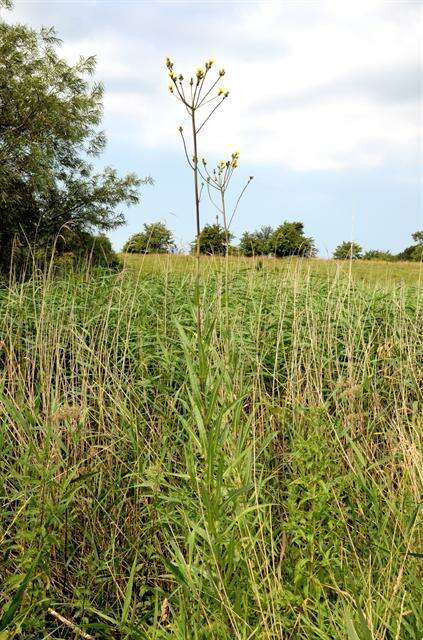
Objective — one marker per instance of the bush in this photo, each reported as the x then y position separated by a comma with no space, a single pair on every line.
70,251
375,254
348,251
213,240
156,238
289,240
414,253
257,243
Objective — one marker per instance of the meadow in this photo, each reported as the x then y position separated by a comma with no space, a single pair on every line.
265,485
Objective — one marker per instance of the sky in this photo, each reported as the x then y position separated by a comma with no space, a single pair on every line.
325,108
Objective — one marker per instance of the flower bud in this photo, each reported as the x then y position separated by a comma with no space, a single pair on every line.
221,72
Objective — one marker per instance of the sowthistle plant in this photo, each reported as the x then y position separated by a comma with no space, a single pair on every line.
196,94
201,98
219,180
200,93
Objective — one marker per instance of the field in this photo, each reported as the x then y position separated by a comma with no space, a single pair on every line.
264,483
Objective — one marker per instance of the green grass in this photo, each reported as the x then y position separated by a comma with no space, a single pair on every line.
375,272
267,487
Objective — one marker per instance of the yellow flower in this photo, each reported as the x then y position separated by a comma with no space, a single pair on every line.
221,72
199,73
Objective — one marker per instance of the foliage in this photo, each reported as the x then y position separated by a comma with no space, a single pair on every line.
49,125
257,243
289,240
213,240
414,253
375,254
291,508
69,251
156,238
348,250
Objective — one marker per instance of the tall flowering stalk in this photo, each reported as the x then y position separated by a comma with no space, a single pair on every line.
201,98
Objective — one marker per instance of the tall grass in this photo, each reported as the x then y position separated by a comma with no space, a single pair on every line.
267,486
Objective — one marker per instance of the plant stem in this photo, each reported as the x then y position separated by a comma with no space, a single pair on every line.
198,253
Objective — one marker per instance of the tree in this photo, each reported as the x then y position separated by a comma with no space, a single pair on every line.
348,251
289,240
257,243
213,240
375,254
413,253
49,125
156,238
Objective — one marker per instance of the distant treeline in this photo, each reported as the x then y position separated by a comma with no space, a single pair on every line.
286,240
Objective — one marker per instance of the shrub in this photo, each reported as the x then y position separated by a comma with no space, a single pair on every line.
375,254
289,240
348,251
156,238
213,240
257,243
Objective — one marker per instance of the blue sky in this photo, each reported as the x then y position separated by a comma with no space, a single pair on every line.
325,107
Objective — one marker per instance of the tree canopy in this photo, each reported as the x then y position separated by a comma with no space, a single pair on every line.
213,240
414,252
289,240
376,254
257,243
348,250
156,238
50,113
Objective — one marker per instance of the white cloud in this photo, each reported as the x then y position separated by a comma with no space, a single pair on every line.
276,55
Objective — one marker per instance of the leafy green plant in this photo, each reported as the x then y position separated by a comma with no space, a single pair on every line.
156,238
49,129
348,251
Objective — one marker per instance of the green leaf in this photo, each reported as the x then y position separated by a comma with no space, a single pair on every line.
128,592
10,612
352,633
